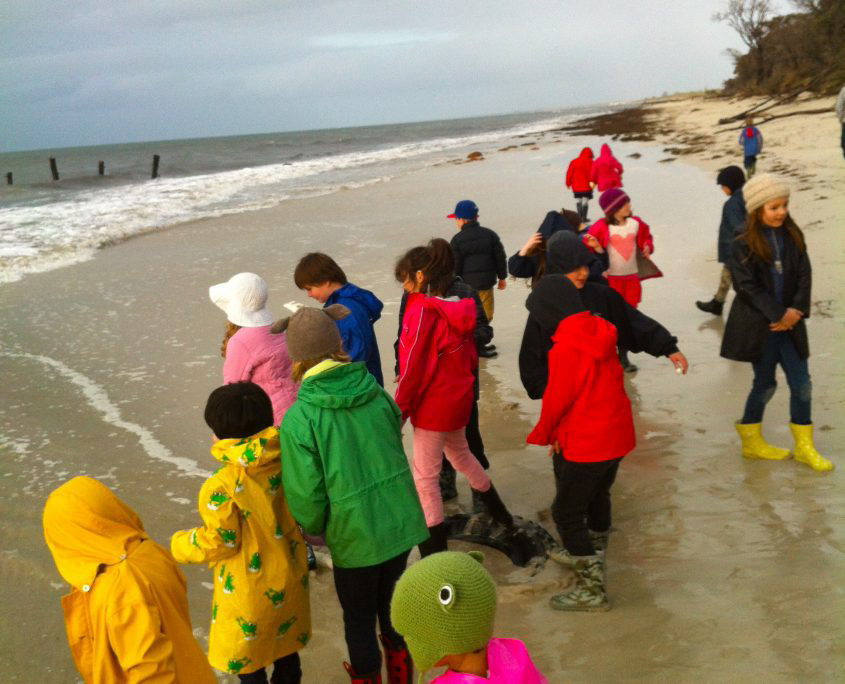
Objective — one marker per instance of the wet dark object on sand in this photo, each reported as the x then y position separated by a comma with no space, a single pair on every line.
525,543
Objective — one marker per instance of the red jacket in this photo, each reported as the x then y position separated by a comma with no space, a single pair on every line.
578,173
585,408
607,171
437,357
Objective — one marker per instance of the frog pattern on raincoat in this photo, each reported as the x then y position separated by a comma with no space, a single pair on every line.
260,607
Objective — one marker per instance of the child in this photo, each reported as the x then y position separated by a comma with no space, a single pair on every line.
320,276
607,171
437,360
629,245
772,278
751,141
260,613
445,606
251,353
414,260
127,613
586,418
346,477
578,178
731,179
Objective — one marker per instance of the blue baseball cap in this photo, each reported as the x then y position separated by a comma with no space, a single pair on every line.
465,209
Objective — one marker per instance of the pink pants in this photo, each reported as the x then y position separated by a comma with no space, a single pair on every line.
429,447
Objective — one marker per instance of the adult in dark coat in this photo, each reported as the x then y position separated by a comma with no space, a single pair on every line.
568,257
731,179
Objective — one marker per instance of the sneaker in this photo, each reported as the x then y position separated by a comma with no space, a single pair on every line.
714,306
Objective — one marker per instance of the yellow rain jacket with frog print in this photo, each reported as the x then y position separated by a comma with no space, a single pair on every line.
127,614
260,610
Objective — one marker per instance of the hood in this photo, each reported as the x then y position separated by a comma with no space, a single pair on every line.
86,526
552,299
459,314
249,452
591,336
605,152
566,251
587,154
344,386
363,298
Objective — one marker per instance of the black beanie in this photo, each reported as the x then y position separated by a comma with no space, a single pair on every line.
565,252
731,177
553,298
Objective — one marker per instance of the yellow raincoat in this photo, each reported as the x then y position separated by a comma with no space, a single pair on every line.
127,614
260,610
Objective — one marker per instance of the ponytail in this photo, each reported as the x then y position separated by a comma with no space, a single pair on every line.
435,260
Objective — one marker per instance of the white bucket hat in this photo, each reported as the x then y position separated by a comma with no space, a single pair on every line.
244,299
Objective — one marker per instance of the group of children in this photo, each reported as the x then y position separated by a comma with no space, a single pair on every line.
310,449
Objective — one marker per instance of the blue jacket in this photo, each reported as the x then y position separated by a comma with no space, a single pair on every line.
356,330
733,223
751,146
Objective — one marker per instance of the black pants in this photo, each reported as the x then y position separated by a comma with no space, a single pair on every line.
286,670
582,502
476,445
364,595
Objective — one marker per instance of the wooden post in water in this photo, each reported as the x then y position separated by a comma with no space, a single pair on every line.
101,168
9,178
156,159
54,169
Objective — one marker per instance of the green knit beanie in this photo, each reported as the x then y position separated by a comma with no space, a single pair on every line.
444,604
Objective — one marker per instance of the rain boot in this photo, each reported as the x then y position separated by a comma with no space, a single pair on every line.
805,451
400,669
370,678
448,484
714,306
599,540
626,364
478,507
754,446
437,540
496,507
588,594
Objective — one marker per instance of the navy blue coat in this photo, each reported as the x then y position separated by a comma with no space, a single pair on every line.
356,330
733,223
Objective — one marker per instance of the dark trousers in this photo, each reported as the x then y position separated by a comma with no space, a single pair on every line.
582,502
364,594
843,139
779,349
286,670
476,444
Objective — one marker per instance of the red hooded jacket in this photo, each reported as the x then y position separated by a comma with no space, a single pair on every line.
585,408
437,357
607,171
578,173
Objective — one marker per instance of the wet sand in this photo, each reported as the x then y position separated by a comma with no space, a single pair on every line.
718,569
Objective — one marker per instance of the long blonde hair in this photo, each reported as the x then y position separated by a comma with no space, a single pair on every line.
231,329
300,368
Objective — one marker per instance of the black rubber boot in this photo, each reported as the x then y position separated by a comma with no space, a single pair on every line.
495,506
626,364
448,486
436,542
714,306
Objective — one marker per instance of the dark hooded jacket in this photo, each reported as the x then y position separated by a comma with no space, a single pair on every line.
356,331
526,266
479,256
733,211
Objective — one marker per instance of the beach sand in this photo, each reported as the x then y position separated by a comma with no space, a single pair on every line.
718,568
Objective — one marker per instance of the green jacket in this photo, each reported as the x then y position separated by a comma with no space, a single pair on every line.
345,472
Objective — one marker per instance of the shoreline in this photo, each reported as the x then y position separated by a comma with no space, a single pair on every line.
708,560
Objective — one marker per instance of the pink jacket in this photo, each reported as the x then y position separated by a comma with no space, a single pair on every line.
508,662
607,171
256,355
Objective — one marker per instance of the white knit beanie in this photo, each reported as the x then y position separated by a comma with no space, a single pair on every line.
763,188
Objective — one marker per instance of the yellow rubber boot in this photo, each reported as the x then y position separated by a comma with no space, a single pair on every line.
754,446
805,450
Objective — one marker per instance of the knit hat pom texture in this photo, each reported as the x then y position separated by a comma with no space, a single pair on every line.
763,188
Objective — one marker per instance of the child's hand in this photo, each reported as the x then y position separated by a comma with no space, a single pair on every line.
680,362
593,243
554,449
502,284
533,242
646,251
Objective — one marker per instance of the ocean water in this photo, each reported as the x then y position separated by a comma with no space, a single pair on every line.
46,224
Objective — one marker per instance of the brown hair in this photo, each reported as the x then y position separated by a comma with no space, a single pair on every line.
317,268
231,329
300,368
757,242
435,260
573,218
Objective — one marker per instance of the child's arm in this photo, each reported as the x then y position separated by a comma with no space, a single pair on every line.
600,232
236,366
302,476
219,537
420,364
136,636
561,390
353,341
645,242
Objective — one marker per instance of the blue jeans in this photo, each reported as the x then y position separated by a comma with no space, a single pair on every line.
779,349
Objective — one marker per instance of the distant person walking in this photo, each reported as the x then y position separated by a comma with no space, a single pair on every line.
578,180
607,171
480,258
751,140
731,179
840,114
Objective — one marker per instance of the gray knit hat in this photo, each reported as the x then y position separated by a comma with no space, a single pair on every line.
763,188
312,333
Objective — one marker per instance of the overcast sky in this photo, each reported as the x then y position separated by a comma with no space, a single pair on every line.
85,72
